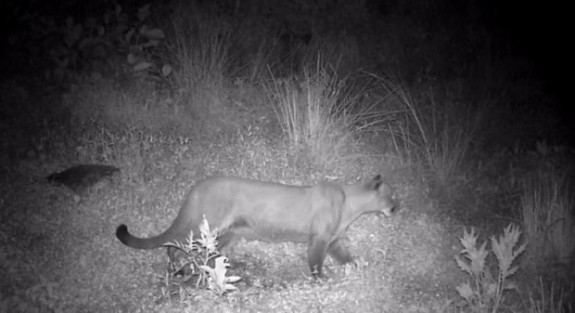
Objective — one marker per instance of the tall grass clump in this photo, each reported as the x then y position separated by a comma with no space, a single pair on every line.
434,136
200,48
322,114
486,291
551,299
547,210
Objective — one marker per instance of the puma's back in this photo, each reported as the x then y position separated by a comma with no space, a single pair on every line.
229,202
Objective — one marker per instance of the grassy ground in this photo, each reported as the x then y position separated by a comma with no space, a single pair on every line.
63,255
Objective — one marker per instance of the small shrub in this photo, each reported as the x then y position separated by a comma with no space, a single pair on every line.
486,292
199,254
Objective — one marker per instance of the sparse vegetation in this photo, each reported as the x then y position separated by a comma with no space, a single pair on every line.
551,298
547,211
201,53
436,136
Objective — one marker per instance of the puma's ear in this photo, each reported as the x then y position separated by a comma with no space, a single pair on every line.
375,183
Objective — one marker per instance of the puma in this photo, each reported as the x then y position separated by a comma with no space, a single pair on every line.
318,215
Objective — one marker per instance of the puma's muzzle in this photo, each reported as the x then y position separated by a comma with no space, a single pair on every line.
390,209
389,203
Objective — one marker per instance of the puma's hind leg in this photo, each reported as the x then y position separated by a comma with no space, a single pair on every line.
318,249
339,252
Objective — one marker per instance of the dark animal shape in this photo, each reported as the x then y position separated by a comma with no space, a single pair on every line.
81,177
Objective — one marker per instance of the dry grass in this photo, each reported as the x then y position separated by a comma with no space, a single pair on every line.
551,298
323,115
547,211
433,136
200,52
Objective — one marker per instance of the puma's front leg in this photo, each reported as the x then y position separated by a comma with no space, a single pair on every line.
316,254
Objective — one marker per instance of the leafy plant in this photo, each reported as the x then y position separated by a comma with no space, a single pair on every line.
217,280
196,265
485,293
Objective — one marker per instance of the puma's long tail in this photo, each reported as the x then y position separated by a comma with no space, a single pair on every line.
142,243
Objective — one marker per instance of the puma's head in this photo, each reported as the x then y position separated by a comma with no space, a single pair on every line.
388,203
374,196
